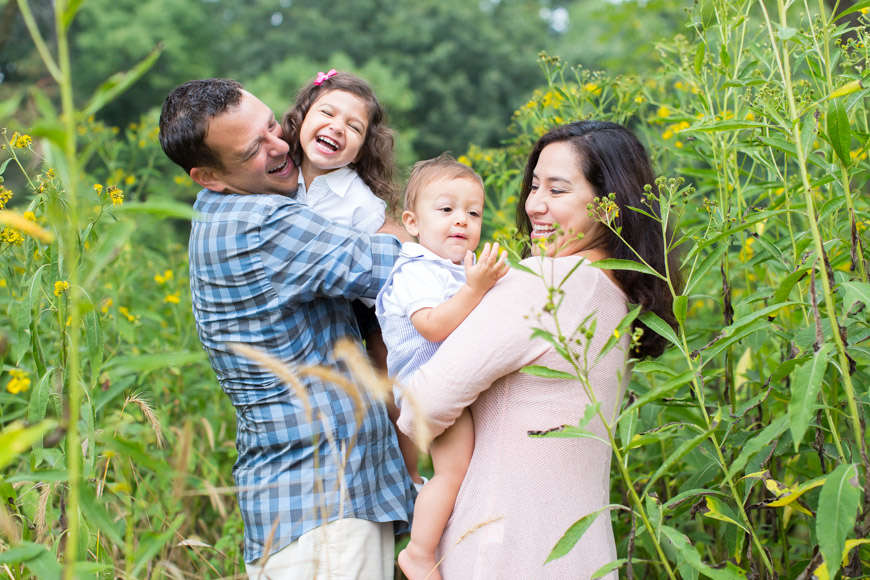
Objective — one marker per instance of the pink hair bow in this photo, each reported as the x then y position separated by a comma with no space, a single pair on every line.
322,76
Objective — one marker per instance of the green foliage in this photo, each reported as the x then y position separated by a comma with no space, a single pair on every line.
740,453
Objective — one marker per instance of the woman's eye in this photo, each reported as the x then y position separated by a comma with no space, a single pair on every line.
533,187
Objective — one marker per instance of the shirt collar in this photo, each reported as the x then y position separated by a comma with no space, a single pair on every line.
415,250
337,181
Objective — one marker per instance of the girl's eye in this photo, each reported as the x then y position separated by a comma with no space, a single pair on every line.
356,129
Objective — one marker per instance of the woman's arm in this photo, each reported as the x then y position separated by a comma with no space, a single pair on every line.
495,340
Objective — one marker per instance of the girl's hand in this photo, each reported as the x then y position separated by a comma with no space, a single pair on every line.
488,270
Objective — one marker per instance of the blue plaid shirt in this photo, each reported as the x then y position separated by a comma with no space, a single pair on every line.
268,272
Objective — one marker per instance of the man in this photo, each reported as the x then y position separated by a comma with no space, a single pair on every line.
319,491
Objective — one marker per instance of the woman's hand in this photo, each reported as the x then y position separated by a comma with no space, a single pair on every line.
489,269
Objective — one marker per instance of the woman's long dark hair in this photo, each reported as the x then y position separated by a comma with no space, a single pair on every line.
613,160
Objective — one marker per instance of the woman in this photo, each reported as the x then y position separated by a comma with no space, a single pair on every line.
521,494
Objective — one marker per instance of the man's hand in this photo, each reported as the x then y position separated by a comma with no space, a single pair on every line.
489,269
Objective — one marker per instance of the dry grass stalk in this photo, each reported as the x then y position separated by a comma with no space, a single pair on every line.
374,381
215,498
184,445
209,432
150,416
467,533
267,550
8,527
279,369
19,222
349,387
41,508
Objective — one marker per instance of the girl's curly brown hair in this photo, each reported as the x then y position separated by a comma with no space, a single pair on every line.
376,163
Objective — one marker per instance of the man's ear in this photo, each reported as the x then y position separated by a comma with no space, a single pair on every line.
208,178
410,222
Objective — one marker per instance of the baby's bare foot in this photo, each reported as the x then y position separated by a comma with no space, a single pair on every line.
417,564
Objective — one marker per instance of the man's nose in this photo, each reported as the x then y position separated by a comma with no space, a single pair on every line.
278,146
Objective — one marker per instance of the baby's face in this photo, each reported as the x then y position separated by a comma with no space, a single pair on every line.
447,217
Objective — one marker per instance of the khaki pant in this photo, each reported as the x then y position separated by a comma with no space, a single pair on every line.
345,549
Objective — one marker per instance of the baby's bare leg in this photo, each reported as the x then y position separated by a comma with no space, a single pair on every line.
451,454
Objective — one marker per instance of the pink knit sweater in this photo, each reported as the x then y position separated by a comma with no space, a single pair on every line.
533,488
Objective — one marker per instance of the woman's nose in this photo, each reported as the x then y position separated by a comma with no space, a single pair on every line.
535,205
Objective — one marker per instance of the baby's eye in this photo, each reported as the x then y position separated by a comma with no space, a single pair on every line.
474,214
446,209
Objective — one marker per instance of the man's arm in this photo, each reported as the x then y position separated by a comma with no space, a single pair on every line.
308,257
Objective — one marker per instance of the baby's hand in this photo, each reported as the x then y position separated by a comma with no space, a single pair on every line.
488,270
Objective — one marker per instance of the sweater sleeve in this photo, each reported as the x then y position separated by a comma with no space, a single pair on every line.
495,340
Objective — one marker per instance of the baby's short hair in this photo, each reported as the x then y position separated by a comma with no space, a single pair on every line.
443,167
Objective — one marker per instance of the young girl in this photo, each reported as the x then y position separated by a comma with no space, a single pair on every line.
340,139
434,286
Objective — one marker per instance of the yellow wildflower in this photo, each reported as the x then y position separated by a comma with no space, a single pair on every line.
107,303
667,134
5,196
115,194
679,85
11,236
130,180
615,333
663,112
463,159
639,99
163,278
865,10
126,312
183,179
51,174
592,88
174,298
21,141
60,287
29,216
678,144
98,188
2,282
19,383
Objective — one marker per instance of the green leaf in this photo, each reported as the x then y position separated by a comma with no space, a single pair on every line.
700,53
94,338
681,308
710,260
616,264
159,207
69,14
675,456
724,56
16,439
651,366
46,476
107,249
151,544
739,335
854,8
94,512
25,309
118,83
855,292
838,130
662,389
808,134
7,109
782,293
652,320
622,329
838,508
759,442
608,568
39,561
785,32
39,398
516,265
718,510
574,533
721,126
685,549
547,373
804,392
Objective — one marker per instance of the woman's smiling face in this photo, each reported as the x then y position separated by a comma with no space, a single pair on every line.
559,197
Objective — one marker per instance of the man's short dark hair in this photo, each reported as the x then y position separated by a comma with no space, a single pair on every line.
185,117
